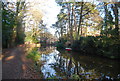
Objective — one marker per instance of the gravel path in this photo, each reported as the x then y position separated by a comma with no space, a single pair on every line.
15,65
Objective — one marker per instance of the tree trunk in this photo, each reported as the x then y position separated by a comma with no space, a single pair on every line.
115,10
69,26
17,22
106,17
80,20
61,30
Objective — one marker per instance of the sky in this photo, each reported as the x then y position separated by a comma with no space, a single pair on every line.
50,10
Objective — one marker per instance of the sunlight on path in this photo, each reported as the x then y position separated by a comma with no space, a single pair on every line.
9,58
16,65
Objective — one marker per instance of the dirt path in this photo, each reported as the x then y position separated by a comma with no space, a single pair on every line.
15,65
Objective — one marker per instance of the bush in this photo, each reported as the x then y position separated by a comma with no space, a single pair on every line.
89,45
61,43
32,39
100,45
84,44
108,47
34,55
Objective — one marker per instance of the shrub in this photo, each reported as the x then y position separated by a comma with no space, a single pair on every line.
34,55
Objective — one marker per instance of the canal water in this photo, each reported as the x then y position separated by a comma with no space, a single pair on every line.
61,64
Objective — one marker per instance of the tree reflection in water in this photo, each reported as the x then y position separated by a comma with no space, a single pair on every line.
69,65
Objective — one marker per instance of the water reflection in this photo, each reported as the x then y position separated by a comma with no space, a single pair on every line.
63,64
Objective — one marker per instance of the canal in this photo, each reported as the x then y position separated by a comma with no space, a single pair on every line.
61,64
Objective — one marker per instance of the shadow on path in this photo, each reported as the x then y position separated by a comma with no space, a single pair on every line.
15,65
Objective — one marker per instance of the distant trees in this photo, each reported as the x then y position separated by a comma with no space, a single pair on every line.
74,16
78,16
33,24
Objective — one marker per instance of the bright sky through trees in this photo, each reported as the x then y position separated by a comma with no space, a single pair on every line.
50,9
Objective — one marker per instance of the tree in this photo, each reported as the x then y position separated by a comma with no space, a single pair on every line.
115,11
8,25
76,15
20,11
